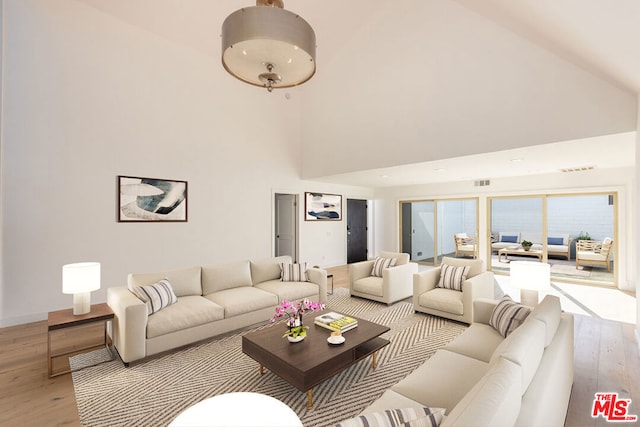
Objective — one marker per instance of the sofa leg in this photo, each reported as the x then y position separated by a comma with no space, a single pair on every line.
126,364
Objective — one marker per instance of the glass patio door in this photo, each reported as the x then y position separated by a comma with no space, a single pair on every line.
428,228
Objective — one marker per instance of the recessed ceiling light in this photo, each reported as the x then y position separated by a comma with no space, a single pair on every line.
516,160
384,176
439,169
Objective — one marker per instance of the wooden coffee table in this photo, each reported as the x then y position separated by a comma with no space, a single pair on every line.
308,363
518,251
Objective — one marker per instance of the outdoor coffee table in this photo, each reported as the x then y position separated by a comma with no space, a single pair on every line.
518,251
307,363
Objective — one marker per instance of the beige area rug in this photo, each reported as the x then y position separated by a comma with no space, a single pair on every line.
155,391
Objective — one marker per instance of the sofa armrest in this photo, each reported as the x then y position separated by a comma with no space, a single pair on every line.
359,270
482,309
319,277
129,330
397,282
424,281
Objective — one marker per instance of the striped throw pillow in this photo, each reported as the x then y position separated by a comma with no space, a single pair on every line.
156,296
508,315
380,264
293,272
405,417
452,277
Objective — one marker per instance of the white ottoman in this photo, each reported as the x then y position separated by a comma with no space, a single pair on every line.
238,410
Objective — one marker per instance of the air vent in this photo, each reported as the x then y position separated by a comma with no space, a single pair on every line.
481,183
578,169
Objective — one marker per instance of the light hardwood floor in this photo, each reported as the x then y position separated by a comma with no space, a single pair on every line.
606,360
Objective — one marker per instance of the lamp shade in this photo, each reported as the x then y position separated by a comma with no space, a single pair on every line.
80,277
530,275
269,47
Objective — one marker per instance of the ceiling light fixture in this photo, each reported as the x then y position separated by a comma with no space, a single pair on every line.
268,46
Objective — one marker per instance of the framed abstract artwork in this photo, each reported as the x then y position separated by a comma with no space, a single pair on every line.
322,207
151,200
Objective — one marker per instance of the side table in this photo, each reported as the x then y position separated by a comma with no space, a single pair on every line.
64,319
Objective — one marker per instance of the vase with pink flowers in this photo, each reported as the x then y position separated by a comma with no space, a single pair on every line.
293,311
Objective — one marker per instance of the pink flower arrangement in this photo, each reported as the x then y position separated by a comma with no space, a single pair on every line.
294,312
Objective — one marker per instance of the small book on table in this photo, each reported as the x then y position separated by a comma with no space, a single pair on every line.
336,322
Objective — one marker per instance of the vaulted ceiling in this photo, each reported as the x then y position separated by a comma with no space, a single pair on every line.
599,36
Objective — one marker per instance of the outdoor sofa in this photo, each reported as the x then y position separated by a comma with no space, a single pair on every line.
557,244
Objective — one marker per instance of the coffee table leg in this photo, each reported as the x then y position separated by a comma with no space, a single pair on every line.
261,369
310,400
375,359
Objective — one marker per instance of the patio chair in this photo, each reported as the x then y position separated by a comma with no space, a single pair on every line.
465,245
594,253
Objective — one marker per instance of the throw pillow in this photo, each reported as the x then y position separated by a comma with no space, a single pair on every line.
508,315
380,264
509,239
156,296
293,272
406,417
452,277
555,240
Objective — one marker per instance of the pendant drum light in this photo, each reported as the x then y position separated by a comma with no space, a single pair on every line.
268,46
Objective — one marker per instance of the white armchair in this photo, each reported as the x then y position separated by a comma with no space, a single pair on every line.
449,303
395,284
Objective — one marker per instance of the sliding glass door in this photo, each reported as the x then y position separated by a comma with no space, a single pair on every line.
429,229
554,224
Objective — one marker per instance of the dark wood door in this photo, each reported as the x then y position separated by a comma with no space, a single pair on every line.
356,230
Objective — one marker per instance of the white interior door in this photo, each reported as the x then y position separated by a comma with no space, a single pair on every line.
286,225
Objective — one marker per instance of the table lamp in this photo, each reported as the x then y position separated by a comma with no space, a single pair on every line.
530,277
80,279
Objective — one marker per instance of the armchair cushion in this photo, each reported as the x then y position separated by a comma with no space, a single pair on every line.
442,299
293,272
380,264
371,285
451,277
508,315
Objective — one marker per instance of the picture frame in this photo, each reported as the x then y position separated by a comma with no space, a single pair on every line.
322,207
151,199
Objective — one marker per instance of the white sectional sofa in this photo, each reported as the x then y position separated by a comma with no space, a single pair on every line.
210,300
557,244
483,379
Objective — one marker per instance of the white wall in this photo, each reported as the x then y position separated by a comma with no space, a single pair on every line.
619,180
87,98
430,79
636,223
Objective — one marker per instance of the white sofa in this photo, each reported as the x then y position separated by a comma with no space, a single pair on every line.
483,379
395,284
557,244
211,300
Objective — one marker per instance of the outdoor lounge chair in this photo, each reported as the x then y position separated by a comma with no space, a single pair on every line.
594,253
465,245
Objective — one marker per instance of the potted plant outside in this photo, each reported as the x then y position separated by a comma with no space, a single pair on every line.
526,245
